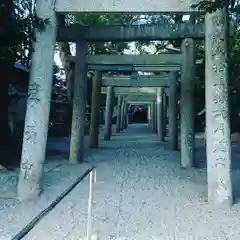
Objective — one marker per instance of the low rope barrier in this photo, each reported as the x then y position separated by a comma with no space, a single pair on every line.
34,222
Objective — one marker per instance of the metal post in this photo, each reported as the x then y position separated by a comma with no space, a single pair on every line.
92,180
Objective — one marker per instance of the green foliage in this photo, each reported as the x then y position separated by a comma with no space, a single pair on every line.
17,32
103,19
234,66
211,6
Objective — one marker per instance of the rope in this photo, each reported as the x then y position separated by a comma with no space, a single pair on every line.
34,222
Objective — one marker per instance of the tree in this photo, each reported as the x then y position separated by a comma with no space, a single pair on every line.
16,34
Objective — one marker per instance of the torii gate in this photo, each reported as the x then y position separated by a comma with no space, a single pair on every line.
145,91
140,62
217,112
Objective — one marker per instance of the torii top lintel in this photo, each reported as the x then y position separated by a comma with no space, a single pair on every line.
142,6
166,31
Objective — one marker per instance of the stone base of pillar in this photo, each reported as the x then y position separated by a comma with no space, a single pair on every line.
28,194
93,141
107,137
226,204
92,144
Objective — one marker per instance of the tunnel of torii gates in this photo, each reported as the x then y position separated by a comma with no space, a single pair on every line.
215,32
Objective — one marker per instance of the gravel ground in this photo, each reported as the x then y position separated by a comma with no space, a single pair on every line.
141,193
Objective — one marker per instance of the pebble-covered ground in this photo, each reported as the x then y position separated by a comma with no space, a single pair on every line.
141,193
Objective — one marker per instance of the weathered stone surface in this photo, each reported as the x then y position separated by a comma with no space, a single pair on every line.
173,122
217,110
123,112
141,81
165,112
153,112
109,113
142,98
132,90
155,122
125,6
163,58
160,120
79,105
166,31
95,111
130,117
38,106
150,115
187,104
119,111
126,116
139,102
129,68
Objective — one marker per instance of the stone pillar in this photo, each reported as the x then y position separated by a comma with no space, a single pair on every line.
130,116
187,103
95,110
38,105
126,116
173,121
79,104
164,113
160,120
155,118
122,115
153,110
217,109
119,110
152,116
149,115
109,113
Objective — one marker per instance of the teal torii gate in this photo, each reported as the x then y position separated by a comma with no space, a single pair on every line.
218,131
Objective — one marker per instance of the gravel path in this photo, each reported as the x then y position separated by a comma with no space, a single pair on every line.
141,193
